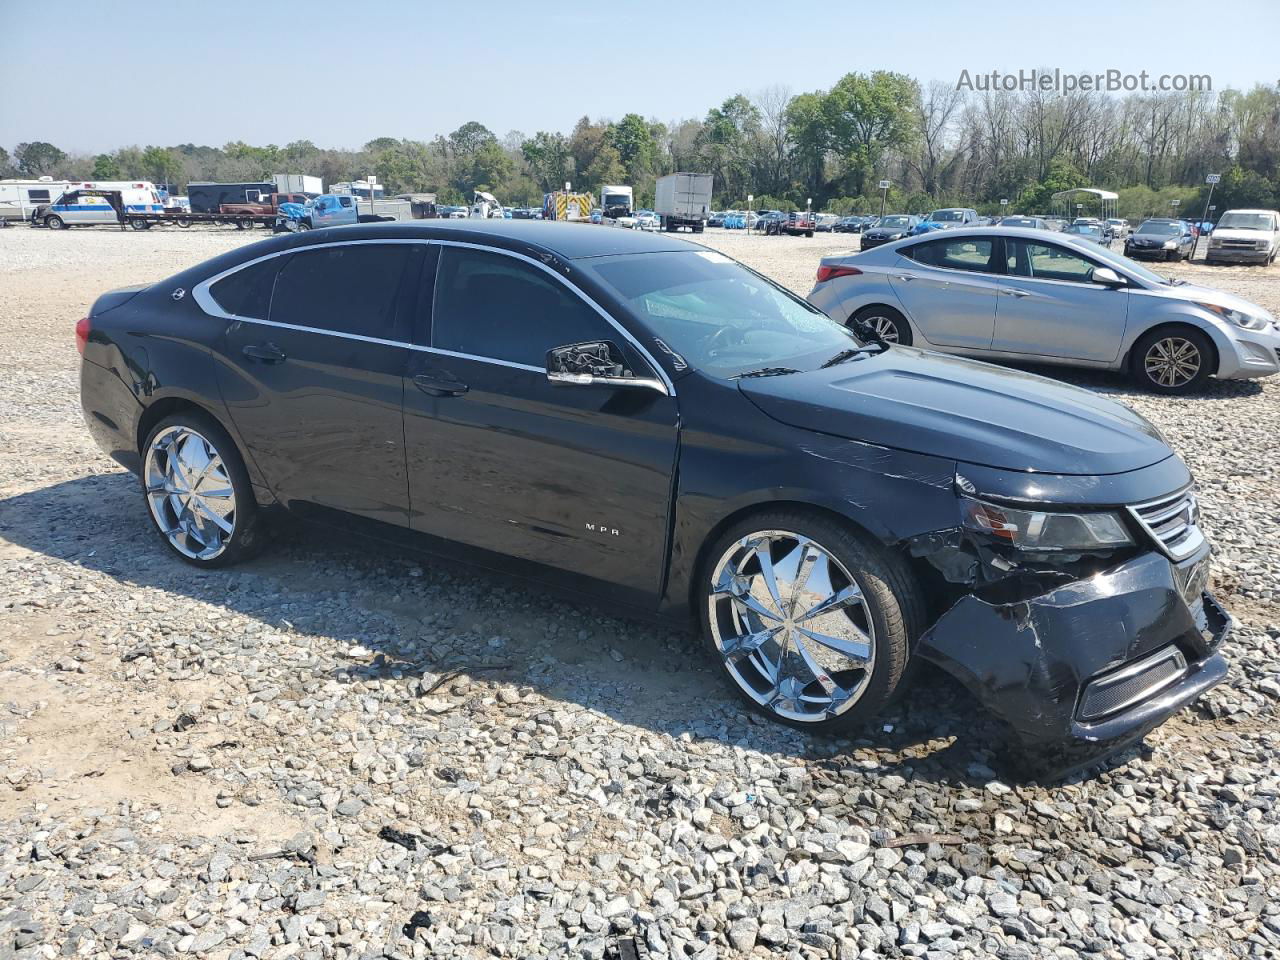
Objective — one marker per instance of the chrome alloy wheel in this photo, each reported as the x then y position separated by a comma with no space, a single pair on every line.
792,625
190,493
884,328
1172,362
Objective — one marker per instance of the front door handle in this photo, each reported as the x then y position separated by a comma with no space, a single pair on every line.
1015,292
905,277
266,352
439,386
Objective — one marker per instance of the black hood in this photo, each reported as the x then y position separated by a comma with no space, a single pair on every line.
963,410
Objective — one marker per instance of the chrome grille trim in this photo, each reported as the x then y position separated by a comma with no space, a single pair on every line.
1132,683
1171,522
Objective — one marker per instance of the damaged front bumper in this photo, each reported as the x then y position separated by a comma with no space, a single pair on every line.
1092,665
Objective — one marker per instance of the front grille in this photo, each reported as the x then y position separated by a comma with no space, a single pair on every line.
1132,683
1171,521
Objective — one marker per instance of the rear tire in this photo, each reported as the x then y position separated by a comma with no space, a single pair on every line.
1172,360
198,492
759,587
886,321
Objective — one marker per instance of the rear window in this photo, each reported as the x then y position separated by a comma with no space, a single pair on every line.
247,292
350,288
963,253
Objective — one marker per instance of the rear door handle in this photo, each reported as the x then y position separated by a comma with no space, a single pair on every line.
439,386
266,352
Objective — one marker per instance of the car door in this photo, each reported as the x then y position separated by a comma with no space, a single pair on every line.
1049,305
948,289
577,478
313,373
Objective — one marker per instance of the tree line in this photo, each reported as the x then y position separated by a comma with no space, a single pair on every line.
937,145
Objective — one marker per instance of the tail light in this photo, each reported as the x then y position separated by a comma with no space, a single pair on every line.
83,326
826,273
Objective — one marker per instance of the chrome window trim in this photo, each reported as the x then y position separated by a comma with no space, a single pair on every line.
204,299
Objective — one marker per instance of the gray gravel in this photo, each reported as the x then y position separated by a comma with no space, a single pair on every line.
342,751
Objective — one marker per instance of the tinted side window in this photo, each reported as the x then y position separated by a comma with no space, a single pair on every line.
1047,262
247,292
492,305
346,289
962,253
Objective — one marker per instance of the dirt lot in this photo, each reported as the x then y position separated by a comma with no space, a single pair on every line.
209,763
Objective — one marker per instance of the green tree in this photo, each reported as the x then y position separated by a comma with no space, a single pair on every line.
161,165
378,144
470,137
105,167
867,116
605,168
1038,197
548,158
38,159
6,165
632,137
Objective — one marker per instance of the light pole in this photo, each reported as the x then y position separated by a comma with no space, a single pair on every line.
1212,180
746,217
884,194
1004,205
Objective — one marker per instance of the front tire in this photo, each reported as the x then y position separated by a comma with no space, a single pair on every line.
811,623
54,222
887,322
198,491
1172,360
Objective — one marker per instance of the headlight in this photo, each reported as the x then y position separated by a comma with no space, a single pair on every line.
1038,531
1238,317
1170,244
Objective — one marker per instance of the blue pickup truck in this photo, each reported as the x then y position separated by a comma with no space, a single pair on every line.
326,210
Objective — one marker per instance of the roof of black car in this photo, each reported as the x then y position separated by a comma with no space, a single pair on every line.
570,241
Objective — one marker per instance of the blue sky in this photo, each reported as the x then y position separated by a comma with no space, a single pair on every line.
126,72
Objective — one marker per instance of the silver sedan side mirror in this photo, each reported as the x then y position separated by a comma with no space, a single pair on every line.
1107,277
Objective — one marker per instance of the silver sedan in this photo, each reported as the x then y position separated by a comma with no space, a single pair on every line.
1037,296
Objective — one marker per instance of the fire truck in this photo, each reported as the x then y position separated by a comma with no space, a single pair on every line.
563,205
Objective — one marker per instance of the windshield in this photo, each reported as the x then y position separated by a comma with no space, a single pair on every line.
1084,229
718,315
946,216
1160,229
1017,222
617,200
1246,221
889,222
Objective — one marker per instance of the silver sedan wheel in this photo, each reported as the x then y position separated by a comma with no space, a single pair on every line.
792,626
1172,362
884,328
190,493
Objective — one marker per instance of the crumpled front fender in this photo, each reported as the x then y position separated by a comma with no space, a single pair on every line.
1029,661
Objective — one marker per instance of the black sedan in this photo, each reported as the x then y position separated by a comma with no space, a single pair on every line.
1161,240
645,423
895,226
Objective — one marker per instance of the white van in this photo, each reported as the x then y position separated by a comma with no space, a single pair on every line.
89,202
19,198
1245,236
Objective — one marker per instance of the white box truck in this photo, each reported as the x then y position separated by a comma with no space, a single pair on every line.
298,183
683,200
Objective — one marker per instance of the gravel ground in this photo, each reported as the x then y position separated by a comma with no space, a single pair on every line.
349,752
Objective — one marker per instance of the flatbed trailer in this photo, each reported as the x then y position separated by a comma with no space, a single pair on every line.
181,218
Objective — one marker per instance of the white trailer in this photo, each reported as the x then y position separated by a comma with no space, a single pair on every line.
18,198
356,188
683,200
297,183
392,209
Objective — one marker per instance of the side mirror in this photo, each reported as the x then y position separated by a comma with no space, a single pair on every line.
595,363
1107,277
